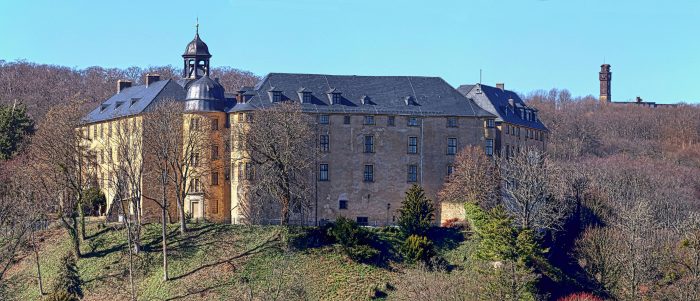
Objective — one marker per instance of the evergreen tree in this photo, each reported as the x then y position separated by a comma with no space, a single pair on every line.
68,282
15,125
416,213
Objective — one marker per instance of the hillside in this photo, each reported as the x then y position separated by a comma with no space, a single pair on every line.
214,262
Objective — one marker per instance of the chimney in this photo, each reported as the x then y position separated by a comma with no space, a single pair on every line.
123,84
501,86
152,78
639,99
511,102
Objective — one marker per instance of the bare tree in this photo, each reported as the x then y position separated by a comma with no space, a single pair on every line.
529,193
279,142
64,166
475,179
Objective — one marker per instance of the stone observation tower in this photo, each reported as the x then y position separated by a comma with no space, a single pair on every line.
605,77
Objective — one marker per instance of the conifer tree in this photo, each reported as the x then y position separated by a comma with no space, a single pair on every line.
416,213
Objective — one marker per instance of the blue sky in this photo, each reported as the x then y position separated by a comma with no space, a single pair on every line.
653,46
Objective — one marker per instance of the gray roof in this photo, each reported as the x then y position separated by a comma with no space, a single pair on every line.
135,100
496,101
401,95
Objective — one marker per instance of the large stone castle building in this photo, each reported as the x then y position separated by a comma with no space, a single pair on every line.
377,136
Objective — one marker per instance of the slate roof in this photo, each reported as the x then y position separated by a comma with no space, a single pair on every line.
135,100
498,104
425,96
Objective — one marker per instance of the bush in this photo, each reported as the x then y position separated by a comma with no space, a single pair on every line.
416,213
363,253
417,248
95,199
581,297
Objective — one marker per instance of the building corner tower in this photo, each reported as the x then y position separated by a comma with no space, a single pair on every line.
605,77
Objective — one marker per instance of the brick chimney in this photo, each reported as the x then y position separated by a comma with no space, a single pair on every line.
152,78
501,86
123,84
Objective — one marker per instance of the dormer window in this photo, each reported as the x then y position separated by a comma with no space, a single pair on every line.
365,100
133,101
275,95
118,104
304,95
410,101
103,107
334,96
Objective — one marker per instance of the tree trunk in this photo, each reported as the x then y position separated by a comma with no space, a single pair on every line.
81,213
131,253
72,229
164,233
38,265
181,209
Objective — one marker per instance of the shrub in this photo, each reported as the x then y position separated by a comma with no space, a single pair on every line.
416,213
363,253
95,199
581,297
417,248
68,283
346,232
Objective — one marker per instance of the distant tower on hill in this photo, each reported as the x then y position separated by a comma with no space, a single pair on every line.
605,77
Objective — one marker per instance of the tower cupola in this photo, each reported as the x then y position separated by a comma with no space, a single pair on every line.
196,58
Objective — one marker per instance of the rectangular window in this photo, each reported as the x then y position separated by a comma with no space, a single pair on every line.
195,159
451,122
276,96
507,151
306,97
214,152
450,169
369,144
323,119
324,143
214,178
489,147
412,145
507,129
194,124
369,173
490,123
227,173
412,173
336,98
413,121
362,221
343,204
241,117
249,172
346,119
241,167
391,121
369,120
214,124
195,185
451,146
323,172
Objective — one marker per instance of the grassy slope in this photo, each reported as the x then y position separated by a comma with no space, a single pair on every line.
214,262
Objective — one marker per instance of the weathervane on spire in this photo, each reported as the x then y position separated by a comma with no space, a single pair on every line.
197,26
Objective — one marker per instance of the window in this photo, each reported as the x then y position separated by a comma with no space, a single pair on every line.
369,120
214,124
412,173
412,145
324,143
346,119
215,178
249,172
507,150
451,122
412,121
227,173
451,146
369,144
323,172
306,97
241,117
362,221
276,96
195,185
489,147
369,173
336,98
391,121
195,159
517,130
450,169
241,167
490,123
343,204
109,129
507,129
214,152
323,119
194,123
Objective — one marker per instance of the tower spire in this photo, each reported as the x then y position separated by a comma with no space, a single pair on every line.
197,27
